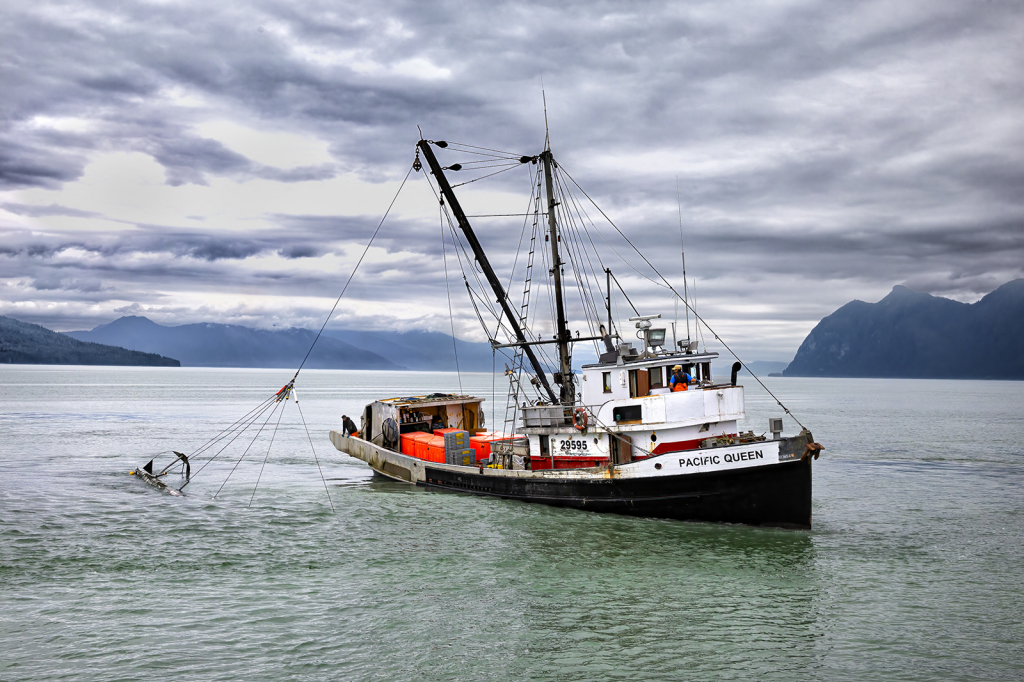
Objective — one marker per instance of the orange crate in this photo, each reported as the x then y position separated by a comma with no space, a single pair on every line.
409,444
415,444
434,451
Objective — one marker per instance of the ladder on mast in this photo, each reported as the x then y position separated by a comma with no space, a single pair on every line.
514,373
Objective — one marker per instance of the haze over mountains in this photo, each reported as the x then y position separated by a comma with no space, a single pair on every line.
913,335
223,345
30,344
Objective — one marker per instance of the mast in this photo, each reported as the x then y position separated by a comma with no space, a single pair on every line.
562,335
485,265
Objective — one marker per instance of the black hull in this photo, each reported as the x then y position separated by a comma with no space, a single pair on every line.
774,495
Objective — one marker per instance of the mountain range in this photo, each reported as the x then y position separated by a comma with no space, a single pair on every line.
913,335
30,344
224,345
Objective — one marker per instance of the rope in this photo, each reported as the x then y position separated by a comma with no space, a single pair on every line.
315,458
477,309
223,434
451,315
353,274
624,295
246,452
228,444
267,456
486,149
242,424
482,177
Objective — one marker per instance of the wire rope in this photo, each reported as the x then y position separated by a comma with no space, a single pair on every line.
233,439
353,273
447,289
484,177
246,451
223,434
315,458
496,151
267,456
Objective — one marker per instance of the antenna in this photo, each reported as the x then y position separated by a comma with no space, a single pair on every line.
695,314
682,252
547,133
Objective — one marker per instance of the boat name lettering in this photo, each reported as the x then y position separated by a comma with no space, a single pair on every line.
728,458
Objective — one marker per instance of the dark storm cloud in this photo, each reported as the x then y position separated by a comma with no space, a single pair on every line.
161,240
23,165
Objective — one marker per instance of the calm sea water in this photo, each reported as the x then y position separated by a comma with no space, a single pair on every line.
913,569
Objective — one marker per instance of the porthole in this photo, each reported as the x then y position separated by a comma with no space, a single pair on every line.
657,465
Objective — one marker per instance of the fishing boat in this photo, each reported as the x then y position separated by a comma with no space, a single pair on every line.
645,430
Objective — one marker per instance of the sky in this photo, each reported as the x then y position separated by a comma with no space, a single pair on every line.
227,162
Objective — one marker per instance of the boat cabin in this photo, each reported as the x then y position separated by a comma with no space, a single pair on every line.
638,378
425,413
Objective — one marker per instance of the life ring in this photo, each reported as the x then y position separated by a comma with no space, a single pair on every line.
579,418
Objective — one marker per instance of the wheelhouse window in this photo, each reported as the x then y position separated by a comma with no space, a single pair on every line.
656,378
606,382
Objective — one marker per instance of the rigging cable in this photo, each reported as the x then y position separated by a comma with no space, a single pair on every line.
315,458
576,253
451,315
267,456
223,434
487,149
482,177
242,430
245,452
353,274
682,255
685,302
476,308
624,295
459,245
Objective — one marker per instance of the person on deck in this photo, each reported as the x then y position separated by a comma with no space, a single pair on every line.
348,427
680,380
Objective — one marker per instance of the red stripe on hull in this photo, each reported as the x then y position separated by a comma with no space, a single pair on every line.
681,445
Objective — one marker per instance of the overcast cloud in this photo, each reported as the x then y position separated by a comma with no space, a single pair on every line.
226,162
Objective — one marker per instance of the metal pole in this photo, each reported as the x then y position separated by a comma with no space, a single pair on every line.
562,332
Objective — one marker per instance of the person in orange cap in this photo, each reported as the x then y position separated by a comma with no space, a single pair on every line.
680,380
